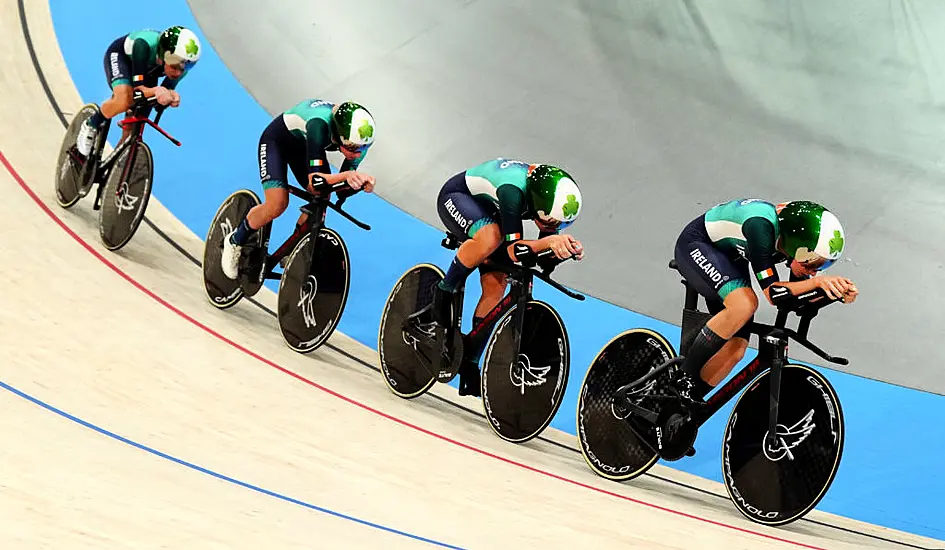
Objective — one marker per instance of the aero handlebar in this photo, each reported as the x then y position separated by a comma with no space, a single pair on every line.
806,306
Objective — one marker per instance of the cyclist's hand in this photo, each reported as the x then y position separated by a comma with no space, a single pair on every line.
357,180
850,295
176,101
834,286
577,247
564,246
163,95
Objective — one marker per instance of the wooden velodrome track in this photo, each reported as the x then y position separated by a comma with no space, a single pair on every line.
133,414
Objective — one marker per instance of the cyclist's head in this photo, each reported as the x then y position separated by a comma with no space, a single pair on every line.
352,127
810,234
554,197
179,49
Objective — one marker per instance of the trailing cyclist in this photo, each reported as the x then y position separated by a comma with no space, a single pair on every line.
298,139
484,207
133,63
718,252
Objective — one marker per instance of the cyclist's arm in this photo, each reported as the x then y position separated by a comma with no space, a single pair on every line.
511,208
140,62
316,136
319,171
761,253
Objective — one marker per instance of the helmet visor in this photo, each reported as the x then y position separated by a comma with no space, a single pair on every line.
353,147
550,224
178,61
818,263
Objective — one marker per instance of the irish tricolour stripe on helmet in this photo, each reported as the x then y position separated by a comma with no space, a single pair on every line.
353,124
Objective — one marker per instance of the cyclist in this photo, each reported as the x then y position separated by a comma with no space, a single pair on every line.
484,207
298,139
719,251
133,63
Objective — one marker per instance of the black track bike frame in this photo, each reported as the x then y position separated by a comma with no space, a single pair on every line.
317,205
521,281
772,353
136,136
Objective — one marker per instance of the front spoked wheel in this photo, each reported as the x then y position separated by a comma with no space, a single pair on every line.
609,435
222,291
778,482
125,197
523,386
69,186
407,363
313,290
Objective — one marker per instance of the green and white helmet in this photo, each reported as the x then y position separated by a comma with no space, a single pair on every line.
352,125
179,46
810,233
553,194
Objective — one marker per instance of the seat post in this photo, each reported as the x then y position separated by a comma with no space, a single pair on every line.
692,297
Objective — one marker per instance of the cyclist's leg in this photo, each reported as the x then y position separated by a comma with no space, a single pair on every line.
118,75
715,277
469,221
273,176
296,157
722,363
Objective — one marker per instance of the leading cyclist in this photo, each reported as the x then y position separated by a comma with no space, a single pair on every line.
718,252
133,63
484,207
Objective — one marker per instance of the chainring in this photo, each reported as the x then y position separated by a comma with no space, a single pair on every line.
675,432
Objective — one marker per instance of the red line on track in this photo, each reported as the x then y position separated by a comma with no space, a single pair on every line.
208,330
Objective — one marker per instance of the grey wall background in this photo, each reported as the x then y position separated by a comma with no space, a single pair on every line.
659,109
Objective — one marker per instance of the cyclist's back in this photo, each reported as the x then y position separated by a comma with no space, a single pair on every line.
731,225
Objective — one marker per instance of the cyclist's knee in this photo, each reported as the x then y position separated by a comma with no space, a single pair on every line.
124,97
277,200
742,302
488,237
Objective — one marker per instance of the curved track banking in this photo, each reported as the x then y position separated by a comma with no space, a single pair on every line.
114,353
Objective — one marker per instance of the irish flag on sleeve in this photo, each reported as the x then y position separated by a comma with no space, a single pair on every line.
762,275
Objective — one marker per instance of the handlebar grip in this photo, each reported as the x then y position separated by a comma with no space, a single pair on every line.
808,302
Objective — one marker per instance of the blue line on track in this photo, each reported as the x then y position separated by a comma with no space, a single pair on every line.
215,474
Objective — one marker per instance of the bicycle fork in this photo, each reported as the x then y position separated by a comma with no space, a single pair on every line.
774,353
